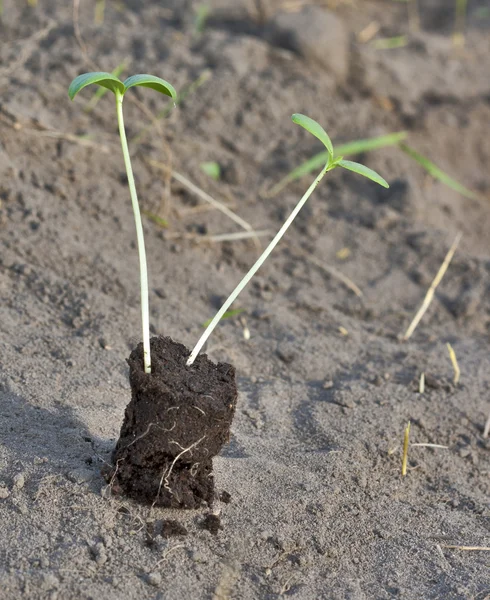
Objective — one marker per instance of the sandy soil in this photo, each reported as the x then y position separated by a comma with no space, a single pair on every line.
315,503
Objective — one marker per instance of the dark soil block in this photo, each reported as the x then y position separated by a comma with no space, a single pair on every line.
179,417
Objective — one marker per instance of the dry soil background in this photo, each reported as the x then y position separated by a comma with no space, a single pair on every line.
317,507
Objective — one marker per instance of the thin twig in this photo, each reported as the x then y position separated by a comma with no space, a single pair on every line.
201,194
486,430
406,439
428,446
332,271
430,293
467,548
165,554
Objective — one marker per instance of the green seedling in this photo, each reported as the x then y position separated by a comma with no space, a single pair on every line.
119,88
212,169
332,162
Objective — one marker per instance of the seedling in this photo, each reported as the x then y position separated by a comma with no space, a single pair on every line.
119,88
332,162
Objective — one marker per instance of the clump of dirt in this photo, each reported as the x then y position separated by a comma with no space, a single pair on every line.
178,418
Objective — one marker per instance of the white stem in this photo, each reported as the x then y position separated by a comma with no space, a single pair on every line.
233,296
145,308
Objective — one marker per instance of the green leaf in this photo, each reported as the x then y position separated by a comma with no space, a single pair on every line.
437,173
315,129
212,169
228,315
107,80
150,81
365,171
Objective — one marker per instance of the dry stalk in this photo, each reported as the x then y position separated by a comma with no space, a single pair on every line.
454,361
406,444
430,293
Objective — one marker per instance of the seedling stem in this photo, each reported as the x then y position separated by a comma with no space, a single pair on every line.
118,88
145,306
233,296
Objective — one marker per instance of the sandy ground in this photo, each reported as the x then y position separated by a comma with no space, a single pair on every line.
317,505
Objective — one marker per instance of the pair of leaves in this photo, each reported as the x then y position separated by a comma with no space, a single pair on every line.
115,85
317,130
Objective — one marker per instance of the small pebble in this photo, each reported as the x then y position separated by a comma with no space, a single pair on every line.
154,579
4,493
80,475
19,481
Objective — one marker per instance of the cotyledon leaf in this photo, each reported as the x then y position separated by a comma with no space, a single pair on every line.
365,171
315,129
107,80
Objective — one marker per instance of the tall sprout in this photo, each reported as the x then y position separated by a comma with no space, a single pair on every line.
115,85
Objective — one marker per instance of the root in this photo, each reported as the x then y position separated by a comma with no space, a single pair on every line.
148,431
166,474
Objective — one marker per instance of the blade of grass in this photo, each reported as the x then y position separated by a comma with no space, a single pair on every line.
156,218
348,149
437,173
391,43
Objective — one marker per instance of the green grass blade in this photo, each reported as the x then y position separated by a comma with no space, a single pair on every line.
150,81
364,171
438,173
348,149
315,129
228,315
361,146
155,218
391,43
106,80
